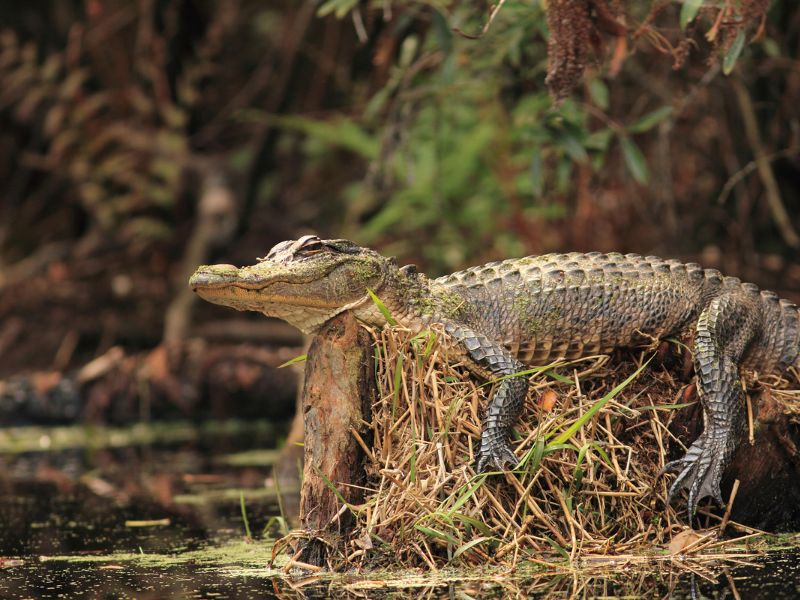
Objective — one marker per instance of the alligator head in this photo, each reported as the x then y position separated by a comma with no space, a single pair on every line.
305,282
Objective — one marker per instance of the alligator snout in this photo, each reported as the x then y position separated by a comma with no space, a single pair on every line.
209,276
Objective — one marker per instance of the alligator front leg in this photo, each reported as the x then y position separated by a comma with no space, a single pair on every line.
490,360
724,330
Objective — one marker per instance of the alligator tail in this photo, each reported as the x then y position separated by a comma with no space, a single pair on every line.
778,346
790,332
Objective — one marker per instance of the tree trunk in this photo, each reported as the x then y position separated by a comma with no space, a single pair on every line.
337,395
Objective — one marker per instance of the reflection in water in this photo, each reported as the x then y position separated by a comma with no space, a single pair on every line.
774,578
162,518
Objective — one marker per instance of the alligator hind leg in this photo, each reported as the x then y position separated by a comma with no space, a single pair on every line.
724,331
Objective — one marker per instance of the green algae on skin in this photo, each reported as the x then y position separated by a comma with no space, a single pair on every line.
533,325
367,273
446,304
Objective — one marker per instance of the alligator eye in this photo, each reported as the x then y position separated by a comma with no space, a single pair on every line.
342,246
309,251
310,245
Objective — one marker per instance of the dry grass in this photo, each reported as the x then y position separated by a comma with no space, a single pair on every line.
588,489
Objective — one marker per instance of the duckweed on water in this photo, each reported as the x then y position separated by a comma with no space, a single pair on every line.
16,440
238,554
251,458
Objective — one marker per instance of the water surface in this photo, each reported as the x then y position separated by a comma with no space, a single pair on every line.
156,512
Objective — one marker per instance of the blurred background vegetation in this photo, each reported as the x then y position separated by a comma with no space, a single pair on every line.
138,139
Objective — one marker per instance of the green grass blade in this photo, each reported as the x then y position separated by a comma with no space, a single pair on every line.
729,62
244,516
584,418
296,359
281,509
469,545
557,547
532,459
603,454
463,499
558,377
382,307
335,490
473,522
436,534
479,478
525,373
577,474
689,11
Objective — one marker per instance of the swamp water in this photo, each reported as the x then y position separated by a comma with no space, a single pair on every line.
157,512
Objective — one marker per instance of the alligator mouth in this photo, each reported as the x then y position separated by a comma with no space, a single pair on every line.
257,297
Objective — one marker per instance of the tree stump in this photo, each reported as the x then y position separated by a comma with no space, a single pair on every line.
337,395
768,469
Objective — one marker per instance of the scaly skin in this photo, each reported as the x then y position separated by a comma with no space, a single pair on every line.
503,316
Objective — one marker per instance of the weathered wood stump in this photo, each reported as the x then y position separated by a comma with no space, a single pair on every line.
768,469
338,392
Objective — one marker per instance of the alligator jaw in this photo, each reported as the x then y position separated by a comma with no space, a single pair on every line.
229,286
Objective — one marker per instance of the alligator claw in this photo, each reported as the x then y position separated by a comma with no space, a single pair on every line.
699,471
495,458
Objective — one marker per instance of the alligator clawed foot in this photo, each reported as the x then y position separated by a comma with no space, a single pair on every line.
495,458
699,471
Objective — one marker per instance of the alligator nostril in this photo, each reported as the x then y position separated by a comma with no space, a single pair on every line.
223,268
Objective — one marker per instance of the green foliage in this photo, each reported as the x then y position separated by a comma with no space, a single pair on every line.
339,7
341,132
294,361
245,520
407,120
650,120
634,160
463,139
732,55
689,11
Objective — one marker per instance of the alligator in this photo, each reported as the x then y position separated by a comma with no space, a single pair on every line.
503,316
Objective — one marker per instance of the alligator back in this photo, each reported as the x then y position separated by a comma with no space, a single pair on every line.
554,306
